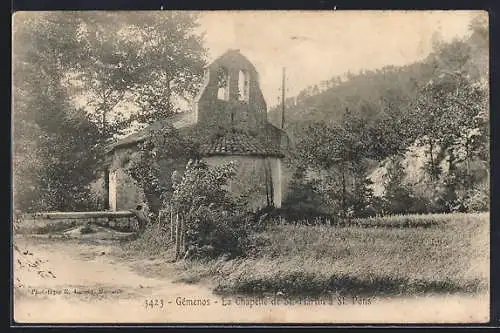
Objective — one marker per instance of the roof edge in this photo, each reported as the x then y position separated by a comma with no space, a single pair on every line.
243,154
111,148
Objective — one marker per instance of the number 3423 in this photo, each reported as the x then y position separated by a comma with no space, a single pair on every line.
154,303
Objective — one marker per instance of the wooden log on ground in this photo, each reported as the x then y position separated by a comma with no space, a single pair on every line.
79,215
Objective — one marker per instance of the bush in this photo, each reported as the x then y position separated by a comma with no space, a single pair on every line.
213,222
303,201
152,166
219,232
211,213
477,201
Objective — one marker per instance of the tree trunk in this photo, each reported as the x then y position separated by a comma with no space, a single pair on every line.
104,125
183,237
168,93
103,122
344,213
266,181
451,162
177,238
355,173
467,163
431,148
270,182
171,223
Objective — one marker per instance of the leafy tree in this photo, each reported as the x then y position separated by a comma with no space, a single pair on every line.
454,111
362,199
108,68
158,157
145,59
303,200
398,196
62,58
339,155
439,103
174,59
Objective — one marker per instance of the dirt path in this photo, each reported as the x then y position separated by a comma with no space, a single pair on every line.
93,286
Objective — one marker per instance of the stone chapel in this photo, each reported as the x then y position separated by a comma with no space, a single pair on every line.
230,111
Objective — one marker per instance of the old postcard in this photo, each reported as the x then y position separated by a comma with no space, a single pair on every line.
182,167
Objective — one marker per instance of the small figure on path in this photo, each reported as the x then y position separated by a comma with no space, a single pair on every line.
142,218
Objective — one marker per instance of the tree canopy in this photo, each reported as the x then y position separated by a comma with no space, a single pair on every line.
440,103
76,76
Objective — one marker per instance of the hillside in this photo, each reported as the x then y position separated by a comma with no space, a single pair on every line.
368,93
418,132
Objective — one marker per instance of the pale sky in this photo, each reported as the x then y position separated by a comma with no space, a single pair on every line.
315,46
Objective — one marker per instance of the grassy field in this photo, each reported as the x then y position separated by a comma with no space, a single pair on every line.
397,255
369,259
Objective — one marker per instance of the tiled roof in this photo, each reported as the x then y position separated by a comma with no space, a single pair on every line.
231,143
179,120
239,143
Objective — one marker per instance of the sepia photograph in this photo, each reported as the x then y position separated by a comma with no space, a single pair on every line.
250,167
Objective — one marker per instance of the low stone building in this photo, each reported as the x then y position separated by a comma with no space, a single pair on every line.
230,115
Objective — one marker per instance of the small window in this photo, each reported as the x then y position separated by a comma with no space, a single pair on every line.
223,84
243,86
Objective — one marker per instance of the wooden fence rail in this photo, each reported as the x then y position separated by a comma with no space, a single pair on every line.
37,221
177,227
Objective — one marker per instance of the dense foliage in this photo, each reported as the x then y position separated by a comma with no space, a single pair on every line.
371,120
55,147
214,220
154,166
72,74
